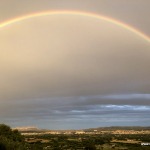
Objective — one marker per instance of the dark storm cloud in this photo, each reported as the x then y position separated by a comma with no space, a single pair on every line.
75,106
73,112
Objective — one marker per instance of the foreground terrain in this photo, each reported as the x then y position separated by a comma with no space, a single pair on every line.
115,138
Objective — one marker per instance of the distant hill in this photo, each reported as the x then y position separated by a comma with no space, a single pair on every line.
29,129
137,128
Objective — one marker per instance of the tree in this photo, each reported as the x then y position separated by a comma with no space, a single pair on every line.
10,139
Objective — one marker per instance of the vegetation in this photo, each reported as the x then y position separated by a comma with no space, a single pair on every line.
13,140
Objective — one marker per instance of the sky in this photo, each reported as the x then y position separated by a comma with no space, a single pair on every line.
75,71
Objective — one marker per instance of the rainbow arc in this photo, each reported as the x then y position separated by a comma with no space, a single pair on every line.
86,14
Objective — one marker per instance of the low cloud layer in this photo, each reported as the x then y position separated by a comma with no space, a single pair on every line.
75,111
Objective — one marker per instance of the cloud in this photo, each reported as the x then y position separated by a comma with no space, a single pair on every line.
94,115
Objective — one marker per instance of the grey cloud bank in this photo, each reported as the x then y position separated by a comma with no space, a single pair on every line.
72,113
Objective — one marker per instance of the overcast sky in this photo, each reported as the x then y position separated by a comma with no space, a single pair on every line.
68,71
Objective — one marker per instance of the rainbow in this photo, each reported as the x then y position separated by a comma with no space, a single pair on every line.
62,12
